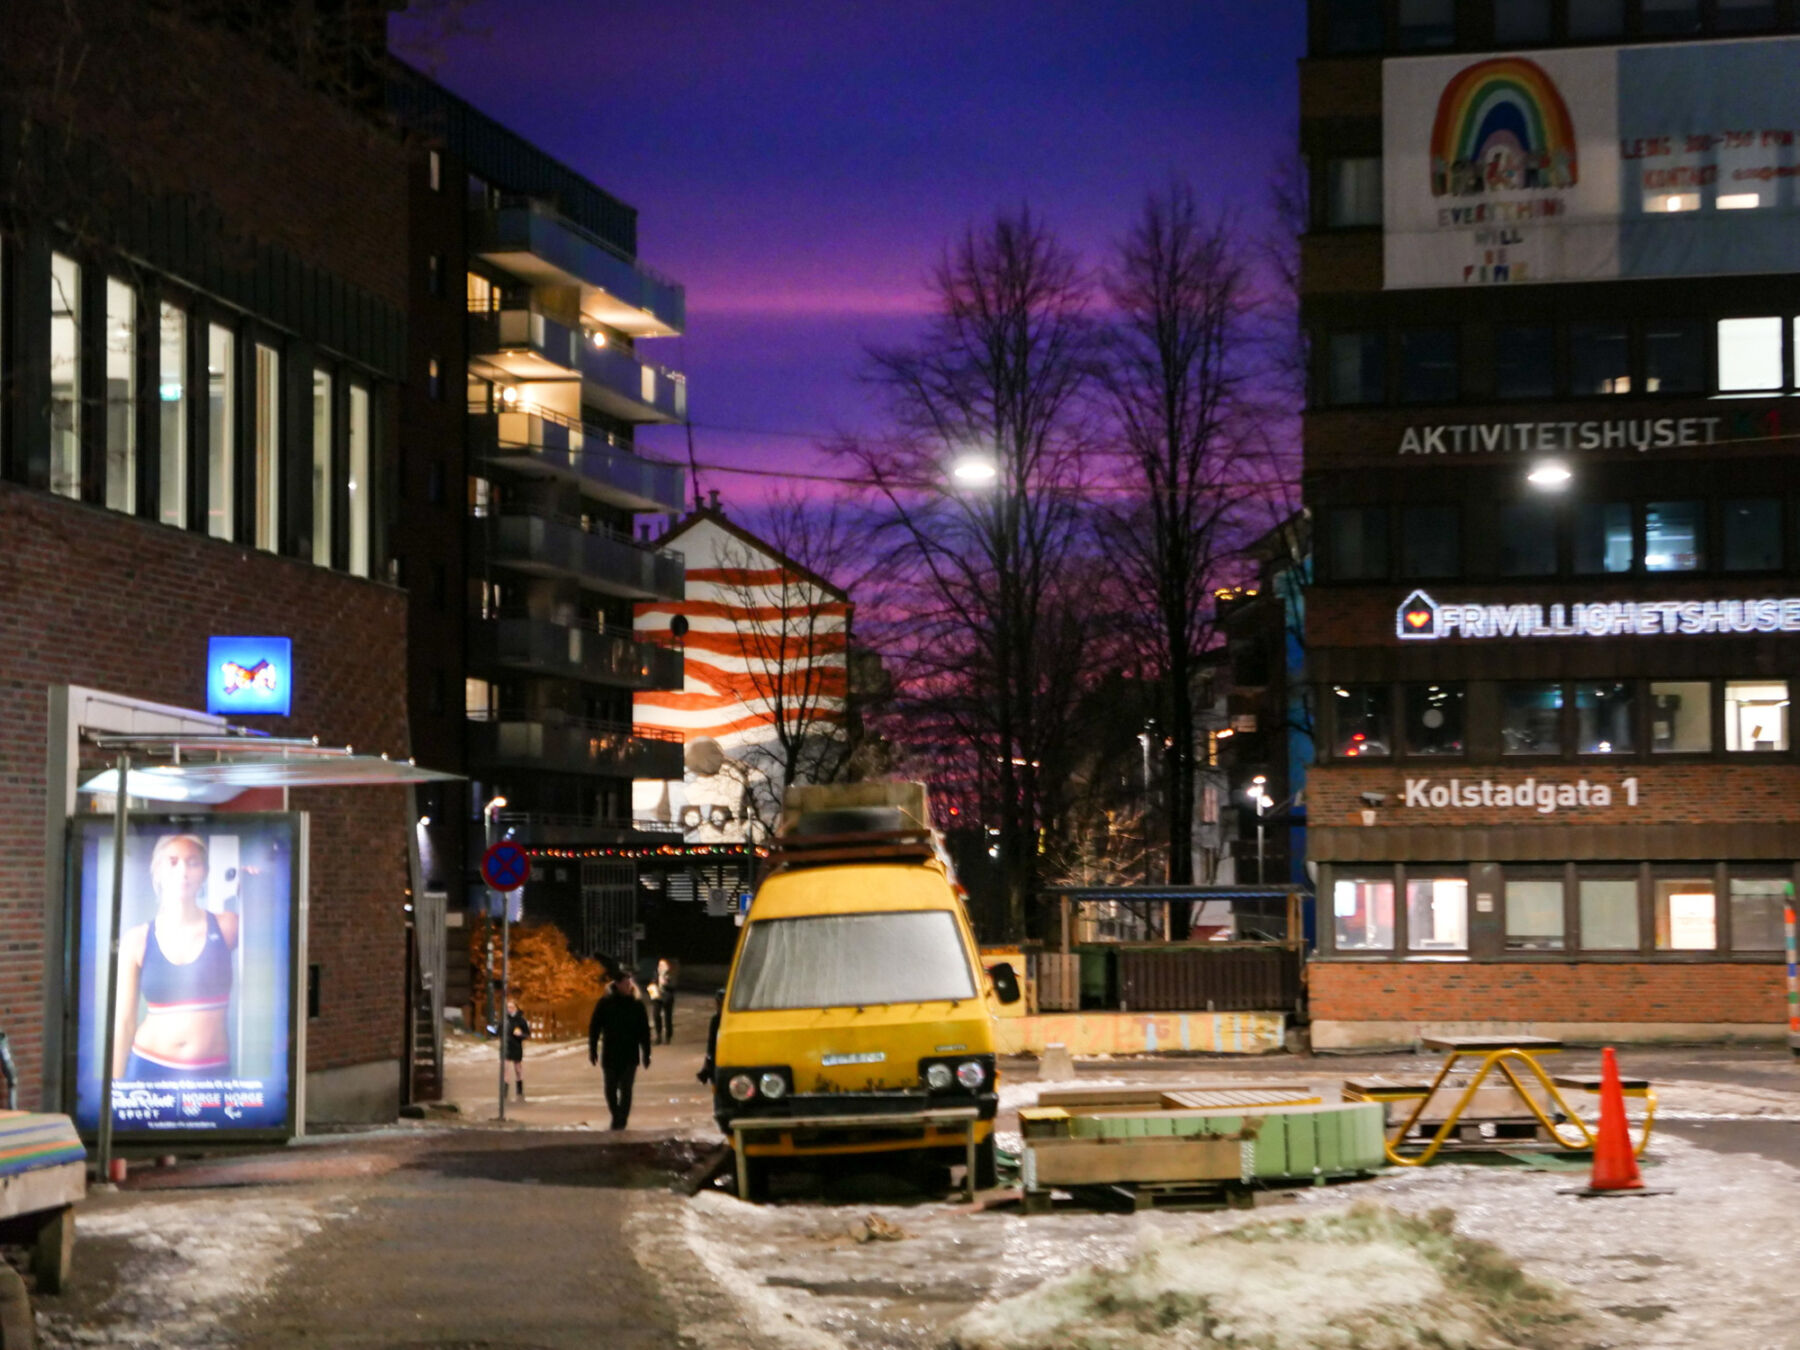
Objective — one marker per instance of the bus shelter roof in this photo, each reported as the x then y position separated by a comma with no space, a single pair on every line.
217,767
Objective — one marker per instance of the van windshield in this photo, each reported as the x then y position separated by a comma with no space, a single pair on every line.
846,960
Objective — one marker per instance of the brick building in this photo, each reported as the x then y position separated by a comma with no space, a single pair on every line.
203,291
1551,284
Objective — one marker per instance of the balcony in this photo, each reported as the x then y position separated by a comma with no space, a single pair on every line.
545,443
637,391
597,558
542,740
526,344
550,831
532,242
612,657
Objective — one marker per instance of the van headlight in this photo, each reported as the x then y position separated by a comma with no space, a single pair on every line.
970,1074
742,1087
773,1085
938,1076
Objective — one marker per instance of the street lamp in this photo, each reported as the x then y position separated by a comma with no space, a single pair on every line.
1550,475
974,470
1262,800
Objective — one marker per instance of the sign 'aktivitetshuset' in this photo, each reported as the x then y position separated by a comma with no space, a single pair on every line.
1422,619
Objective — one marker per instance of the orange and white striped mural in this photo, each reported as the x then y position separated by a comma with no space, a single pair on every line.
765,646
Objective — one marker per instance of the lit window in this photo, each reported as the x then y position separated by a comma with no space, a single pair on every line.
1686,917
1434,719
1674,536
1599,359
1531,719
268,448
1738,201
1605,718
1362,915
1361,718
358,488
1680,717
1749,354
172,406
1756,715
1437,914
121,396
1757,921
65,376
321,468
1663,202
221,431
1534,914
435,170
1609,914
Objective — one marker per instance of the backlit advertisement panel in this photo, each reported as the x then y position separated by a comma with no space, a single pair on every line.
1673,159
205,1022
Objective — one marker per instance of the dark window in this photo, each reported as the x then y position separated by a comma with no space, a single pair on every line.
312,991
1358,540
434,383
1531,719
1521,21
1604,539
1665,18
1674,358
440,585
1674,536
1363,721
1527,539
1434,719
1599,359
1751,536
1353,191
1427,23
1745,16
1596,18
1353,26
1605,718
434,483
1428,365
434,692
1355,368
1525,361
434,274
1429,542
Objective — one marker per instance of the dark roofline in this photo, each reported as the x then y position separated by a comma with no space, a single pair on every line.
717,517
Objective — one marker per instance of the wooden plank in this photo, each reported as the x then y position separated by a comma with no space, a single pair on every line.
1098,1162
46,1188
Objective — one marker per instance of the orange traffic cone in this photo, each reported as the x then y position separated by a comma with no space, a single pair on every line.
1615,1168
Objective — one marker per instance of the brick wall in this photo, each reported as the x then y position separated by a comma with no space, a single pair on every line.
103,600
1439,992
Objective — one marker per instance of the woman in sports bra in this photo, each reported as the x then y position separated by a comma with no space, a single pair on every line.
180,962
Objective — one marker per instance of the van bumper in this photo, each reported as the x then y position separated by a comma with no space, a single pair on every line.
886,1109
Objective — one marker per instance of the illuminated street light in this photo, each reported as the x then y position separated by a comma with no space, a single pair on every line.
974,470
1551,475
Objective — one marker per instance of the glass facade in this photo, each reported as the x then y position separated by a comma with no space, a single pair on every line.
322,476
268,448
172,416
65,376
121,396
221,432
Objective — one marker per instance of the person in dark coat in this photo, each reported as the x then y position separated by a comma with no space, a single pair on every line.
618,1035
712,1039
518,1031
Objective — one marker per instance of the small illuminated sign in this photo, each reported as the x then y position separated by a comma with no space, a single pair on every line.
1422,618
249,675
1545,797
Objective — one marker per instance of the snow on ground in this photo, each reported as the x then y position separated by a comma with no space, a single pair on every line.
191,1263
1706,1268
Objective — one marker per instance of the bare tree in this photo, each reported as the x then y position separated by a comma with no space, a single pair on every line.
992,633
1179,358
790,625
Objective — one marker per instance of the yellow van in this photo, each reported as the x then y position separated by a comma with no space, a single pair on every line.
858,1018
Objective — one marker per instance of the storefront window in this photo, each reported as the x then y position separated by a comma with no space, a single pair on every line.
1363,914
1605,718
1756,715
1353,191
1758,923
1599,358
1751,538
1531,719
1534,914
1604,539
1357,537
1609,914
1430,543
1680,717
1685,915
1437,914
1428,365
1674,535
1434,719
1527,539
1521,21
1354,373
1525,361
1362,721
1674,358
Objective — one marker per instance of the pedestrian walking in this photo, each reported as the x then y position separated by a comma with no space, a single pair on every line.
618,1034
661,990
712,1038
518,1031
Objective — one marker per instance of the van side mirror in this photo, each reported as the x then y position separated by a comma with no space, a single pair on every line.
1006,984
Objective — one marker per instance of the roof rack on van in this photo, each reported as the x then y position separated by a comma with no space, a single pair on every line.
836,823
860,846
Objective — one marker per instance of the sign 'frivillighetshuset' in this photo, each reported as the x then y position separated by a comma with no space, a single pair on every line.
1420,618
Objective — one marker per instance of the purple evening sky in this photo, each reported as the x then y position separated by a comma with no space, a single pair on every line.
800,166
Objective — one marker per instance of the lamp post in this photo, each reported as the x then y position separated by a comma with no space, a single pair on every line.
1261,798
489,824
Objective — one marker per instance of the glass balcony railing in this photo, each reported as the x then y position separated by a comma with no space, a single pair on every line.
598,656
616,380
606,469
529,345
598,558
541,740
536,244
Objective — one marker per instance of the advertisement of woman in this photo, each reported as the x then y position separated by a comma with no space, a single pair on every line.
204,1003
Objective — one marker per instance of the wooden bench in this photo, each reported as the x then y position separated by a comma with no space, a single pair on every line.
43,1173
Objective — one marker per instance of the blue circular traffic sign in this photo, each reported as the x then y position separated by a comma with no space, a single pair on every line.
505,866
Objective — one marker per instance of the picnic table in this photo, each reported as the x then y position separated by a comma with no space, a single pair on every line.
1509,1086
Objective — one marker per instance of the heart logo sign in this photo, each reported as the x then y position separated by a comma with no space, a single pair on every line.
1417,618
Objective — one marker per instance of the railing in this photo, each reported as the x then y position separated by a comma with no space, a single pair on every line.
588,651
599,557
544,739
566,444
536,827
514,202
